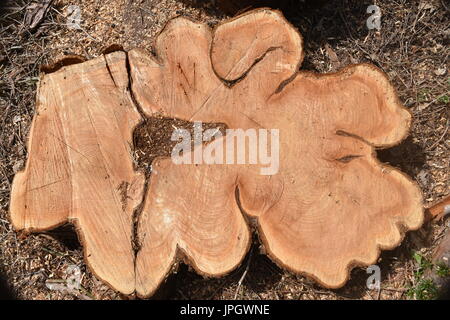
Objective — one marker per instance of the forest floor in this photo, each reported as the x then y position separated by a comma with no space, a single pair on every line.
412,48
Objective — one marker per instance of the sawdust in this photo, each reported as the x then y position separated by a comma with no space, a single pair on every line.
412,47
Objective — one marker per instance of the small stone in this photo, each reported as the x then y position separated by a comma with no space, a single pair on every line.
17,119
18,166
440,71
423,106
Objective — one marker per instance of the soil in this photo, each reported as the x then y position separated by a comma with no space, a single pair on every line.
412,47
153,138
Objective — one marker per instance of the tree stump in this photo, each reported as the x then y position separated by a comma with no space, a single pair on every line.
331,206
79,167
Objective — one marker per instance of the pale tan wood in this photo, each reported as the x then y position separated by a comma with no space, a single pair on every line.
332,205
80,167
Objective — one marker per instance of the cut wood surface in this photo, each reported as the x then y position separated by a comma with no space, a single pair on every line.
332,205
79,167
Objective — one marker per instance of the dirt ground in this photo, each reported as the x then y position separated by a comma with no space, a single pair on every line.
412,47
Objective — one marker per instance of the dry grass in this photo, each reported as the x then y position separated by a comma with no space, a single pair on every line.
412,47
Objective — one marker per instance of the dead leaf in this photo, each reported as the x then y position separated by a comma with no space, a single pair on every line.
440,71
35,13
335,63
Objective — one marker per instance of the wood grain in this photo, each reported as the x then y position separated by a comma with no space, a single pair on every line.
80,168
331,206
